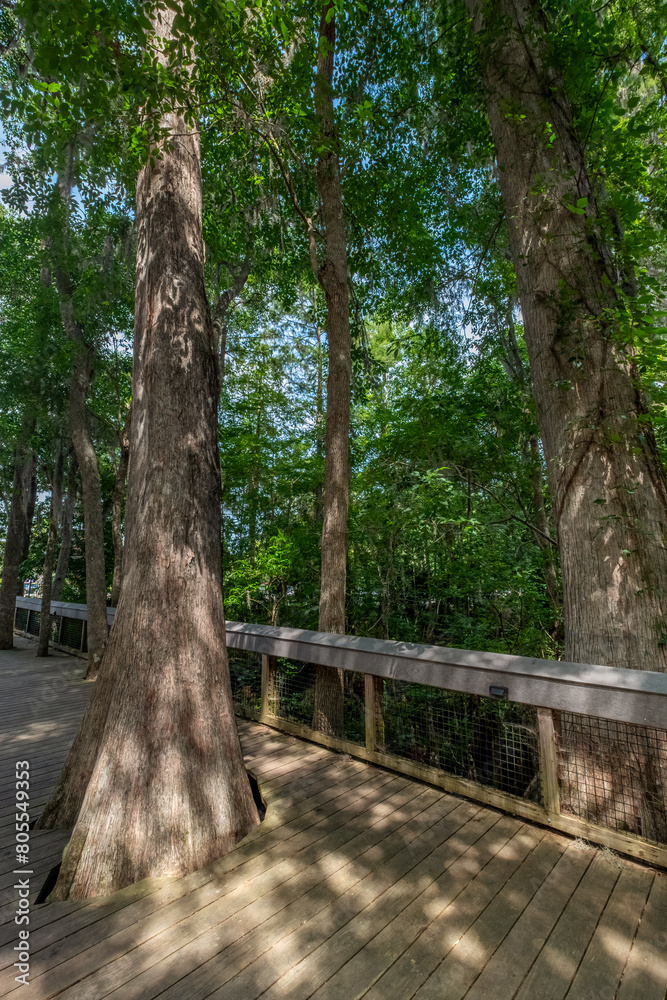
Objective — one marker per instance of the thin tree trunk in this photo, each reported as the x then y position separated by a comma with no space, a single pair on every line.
220,310
319,430
91,491
117,509
515,368
27,534
253,487
24,473
65,531
332,276
168,791
542,524
55,512
607,484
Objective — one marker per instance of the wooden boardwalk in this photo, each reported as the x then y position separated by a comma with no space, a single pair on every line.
359,883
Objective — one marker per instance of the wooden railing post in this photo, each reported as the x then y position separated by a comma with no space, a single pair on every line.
548,760
269,689
373,696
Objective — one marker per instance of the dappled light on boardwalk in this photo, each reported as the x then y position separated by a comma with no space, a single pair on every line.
359,882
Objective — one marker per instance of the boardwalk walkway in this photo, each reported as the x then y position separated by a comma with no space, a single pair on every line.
359,883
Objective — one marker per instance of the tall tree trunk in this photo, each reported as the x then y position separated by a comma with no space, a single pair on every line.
55,512
516,371
332,275
91,491
607,484
221,308
27,532
117,509
542,525
319,430
65,531
168,791
24,473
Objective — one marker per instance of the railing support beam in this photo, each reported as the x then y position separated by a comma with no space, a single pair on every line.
548,761
269,690
373,698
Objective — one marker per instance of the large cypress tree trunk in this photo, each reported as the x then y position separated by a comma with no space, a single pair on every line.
609,497
55,511
332,275
91,490
168,791
65,531
24,472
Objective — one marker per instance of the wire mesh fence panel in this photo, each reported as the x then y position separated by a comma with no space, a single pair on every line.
491,742
71,632
293,696
33,623
354,708
614,774
245,672
21,619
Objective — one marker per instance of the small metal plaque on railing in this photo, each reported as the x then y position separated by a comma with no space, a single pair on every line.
498,692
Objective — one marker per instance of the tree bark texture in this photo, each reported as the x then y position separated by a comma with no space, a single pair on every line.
65,531
168,792
55,513
24,473
609,497
91,491
117,509
332,275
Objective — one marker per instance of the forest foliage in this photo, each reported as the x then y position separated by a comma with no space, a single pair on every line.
448,495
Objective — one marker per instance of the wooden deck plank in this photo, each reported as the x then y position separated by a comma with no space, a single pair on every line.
227,919
645,974
113,937
374,846
556,965
470,953
418,961
605,958
72,935
416,932
503,973
298,965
